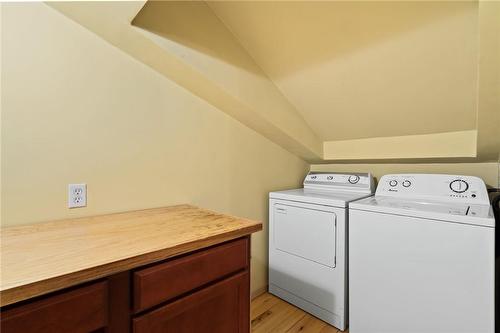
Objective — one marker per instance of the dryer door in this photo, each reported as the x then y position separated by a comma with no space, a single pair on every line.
306,233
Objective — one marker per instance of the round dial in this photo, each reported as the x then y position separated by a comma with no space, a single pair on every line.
393,182
406,183
353,179
459,186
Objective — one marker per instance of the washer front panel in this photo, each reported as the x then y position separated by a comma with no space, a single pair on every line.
410,274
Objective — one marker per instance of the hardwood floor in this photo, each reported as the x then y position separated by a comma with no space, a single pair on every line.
270,314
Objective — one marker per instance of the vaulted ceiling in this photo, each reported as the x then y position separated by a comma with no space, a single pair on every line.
328,80
366,69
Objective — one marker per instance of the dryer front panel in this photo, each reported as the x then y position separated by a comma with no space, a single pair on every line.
307,258
306,233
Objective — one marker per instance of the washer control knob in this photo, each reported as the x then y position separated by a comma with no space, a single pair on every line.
353,179
459,186
406,183
393,183
329,177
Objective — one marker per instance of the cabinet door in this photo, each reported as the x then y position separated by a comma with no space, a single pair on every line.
219,308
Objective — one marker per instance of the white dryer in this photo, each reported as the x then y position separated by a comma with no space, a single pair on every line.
421,257
308,243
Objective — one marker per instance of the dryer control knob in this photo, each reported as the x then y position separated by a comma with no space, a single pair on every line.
406,183
353,179
393,183
459,186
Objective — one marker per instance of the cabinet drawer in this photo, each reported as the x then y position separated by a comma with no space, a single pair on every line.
223,307
81,310
165,281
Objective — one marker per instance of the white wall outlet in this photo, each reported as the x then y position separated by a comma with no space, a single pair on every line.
77,195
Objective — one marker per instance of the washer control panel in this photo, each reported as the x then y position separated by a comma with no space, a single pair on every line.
434,186
339,181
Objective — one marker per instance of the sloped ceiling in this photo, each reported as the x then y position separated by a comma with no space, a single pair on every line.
366,69
328,80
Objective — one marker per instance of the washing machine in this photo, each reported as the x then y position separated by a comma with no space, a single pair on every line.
421,256
308,242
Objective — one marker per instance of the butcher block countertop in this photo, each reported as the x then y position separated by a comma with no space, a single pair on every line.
39,258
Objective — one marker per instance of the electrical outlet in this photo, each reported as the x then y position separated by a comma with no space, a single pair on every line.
77,195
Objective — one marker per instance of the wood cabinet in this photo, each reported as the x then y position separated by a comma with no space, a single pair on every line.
165,281
203,291
81,310
219,308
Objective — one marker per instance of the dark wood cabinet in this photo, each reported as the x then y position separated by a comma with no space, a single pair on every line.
165,281
81,310
203,291
219,308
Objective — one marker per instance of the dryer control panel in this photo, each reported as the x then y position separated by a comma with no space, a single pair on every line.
332,181
452,188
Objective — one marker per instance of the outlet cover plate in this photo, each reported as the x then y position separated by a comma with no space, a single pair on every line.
77,195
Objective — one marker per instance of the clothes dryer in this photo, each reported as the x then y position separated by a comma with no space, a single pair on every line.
308,242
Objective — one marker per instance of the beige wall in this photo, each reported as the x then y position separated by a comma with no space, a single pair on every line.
488,117
77,109
438,145
489,172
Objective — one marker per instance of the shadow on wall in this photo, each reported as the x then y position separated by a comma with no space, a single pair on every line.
306,33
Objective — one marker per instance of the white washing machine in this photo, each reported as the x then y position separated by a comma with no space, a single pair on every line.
308,243
421,257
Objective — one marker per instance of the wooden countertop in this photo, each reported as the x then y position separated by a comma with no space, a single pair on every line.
39,258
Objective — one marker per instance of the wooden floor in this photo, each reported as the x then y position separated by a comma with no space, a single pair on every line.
270,314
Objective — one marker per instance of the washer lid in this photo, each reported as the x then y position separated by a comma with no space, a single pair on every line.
481,215
326,198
